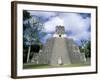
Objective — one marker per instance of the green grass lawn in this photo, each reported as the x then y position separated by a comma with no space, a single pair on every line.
32,66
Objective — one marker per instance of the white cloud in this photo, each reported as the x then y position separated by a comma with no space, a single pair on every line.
82,36
52,23
46,37
42,13
71,21
74,22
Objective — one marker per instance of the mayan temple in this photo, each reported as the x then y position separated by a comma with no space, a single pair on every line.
60,50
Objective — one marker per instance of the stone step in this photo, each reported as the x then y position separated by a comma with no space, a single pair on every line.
60,52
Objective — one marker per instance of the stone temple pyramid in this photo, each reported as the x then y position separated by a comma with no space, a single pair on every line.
60,50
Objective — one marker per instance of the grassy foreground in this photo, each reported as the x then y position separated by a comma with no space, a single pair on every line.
32,66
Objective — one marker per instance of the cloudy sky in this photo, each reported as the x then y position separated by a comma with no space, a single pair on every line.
77,25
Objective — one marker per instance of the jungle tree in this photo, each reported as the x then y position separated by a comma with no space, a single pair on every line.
33,31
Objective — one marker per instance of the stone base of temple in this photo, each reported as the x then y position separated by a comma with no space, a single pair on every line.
60,51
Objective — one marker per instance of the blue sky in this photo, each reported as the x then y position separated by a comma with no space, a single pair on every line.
77,25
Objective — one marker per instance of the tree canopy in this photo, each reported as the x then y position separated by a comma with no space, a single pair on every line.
86,48
33,29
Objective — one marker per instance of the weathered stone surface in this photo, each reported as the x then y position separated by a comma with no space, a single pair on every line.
46,54
60,50
60,30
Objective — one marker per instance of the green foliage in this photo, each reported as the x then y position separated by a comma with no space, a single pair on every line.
26,15
42,66
85,48
32,32
25,51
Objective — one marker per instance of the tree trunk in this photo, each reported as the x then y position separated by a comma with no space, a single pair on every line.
28,54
